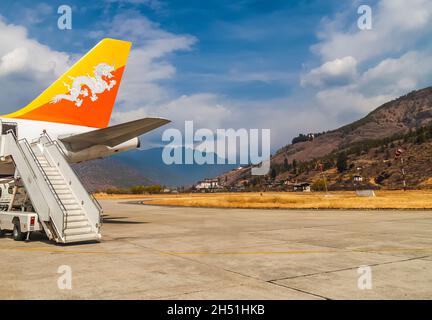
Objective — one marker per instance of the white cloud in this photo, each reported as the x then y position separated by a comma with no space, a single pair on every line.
362,69
19,53
216,112
398,75
358,71
38,14
148,62
390,78
26,66
337,101
284,122
335,72
142,93
205,109
140,80
397,25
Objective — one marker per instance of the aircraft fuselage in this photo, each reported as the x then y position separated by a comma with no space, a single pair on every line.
32,129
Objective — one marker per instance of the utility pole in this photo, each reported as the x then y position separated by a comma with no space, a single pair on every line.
403,174
354,181
321,166
398,154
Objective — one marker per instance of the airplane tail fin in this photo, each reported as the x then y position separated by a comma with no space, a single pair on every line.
86,93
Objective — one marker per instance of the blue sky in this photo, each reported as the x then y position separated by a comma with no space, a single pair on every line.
291,66
254,37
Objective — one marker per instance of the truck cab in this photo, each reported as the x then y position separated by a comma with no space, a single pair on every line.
16,211
13,196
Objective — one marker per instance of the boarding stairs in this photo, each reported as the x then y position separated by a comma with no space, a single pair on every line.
67,212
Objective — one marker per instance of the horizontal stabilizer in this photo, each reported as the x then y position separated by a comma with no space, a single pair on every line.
112,136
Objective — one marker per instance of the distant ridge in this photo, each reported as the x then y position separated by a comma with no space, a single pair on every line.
370,143
143,167
108,173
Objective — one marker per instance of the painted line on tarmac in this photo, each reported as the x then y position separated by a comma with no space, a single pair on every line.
391,249
288,252
366,250
251,252
49,250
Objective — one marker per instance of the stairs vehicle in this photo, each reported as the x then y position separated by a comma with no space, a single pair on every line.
65,210
76,111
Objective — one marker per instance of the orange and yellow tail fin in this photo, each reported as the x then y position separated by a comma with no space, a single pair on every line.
86,93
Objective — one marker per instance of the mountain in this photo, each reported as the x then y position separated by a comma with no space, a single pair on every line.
149,162
109,173
398,116
368,145
143,167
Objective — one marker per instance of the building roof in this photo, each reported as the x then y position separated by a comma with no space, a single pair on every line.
302,184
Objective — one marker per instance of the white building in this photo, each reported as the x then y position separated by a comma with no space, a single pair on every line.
358,178
302,187
208,184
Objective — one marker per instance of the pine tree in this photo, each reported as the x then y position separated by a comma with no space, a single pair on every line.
294,166
273,173
285,164
341,162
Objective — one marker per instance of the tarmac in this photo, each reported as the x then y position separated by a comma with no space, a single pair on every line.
153,252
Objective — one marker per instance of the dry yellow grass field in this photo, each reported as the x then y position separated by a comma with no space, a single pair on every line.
414,199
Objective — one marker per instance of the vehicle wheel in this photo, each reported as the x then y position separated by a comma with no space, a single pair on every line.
2,232
17,234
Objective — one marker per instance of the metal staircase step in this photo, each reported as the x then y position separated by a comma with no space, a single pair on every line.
55,178
80,217
75,231
62,187
62,191
83,237
66,196
76,224
53,175
74,212
71,201
72,206
58,182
